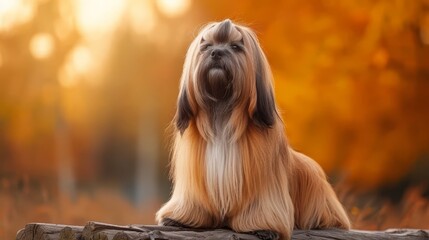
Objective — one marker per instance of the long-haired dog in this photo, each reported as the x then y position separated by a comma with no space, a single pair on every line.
231,163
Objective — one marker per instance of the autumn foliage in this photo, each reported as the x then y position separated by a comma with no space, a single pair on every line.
88,87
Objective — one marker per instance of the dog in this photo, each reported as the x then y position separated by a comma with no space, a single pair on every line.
231,162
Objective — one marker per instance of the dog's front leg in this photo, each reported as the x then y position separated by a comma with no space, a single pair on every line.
269,215
186,214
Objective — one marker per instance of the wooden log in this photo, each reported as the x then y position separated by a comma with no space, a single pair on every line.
159,232
46,231
104,231
359,234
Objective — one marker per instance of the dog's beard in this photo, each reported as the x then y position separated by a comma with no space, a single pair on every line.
216,79
217,83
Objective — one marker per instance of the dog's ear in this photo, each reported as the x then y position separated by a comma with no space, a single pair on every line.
184,112
264,114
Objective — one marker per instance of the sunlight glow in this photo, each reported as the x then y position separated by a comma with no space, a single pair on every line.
173,8
64,25
13,12
142,19
81,59
41,45
78,65
95,18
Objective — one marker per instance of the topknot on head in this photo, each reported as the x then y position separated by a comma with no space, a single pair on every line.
221,32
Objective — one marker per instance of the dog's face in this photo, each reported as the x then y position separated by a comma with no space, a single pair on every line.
226,67
221,63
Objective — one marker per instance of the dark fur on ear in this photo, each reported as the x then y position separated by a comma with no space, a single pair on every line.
184,112
264,115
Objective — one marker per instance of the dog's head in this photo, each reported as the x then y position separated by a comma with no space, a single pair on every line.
225,66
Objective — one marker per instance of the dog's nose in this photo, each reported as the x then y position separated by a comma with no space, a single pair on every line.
217,53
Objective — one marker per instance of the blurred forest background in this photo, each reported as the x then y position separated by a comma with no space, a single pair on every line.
88,87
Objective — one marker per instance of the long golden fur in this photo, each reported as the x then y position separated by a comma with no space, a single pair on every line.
231,162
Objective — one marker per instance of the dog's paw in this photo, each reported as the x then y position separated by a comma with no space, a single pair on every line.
265,234
172,223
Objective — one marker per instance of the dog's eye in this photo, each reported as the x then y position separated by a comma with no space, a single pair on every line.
204,47
236,47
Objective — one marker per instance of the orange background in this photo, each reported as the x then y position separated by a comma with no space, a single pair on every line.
88,87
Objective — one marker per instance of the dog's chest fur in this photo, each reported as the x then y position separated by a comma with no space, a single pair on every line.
223,173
